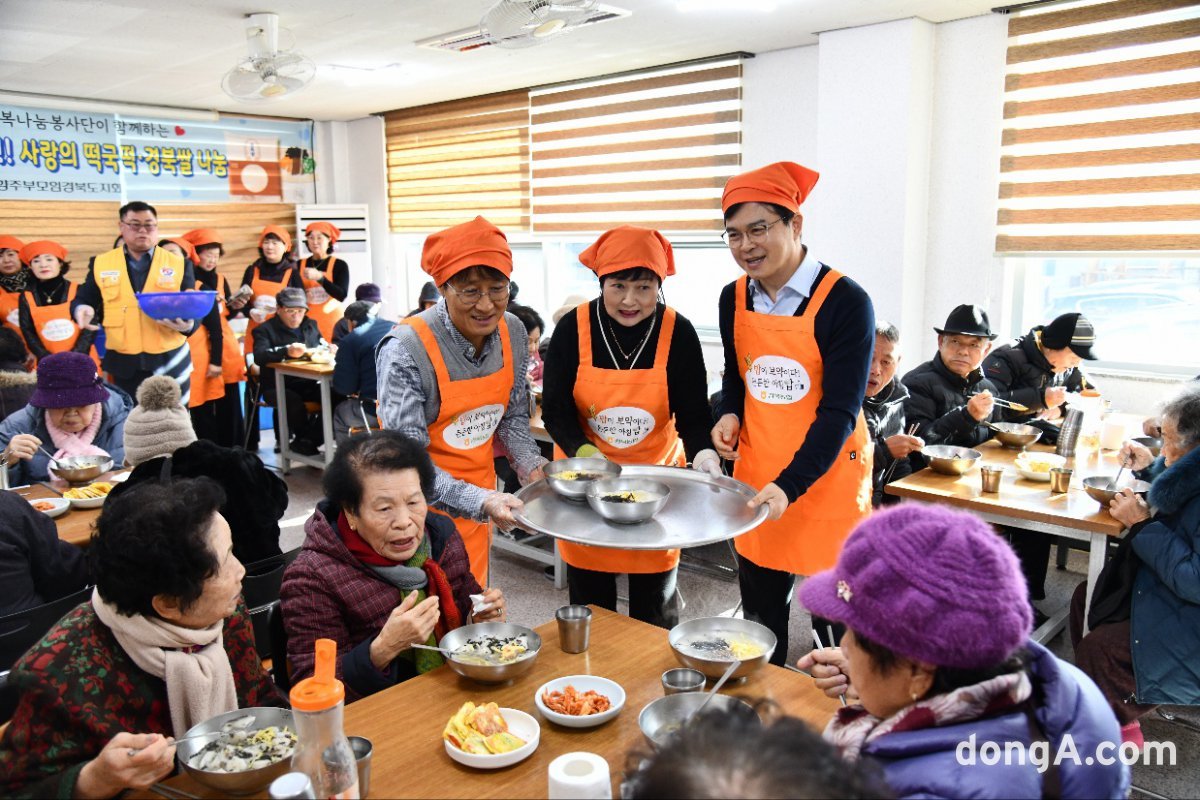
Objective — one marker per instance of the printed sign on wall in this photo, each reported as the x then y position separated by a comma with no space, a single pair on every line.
65,155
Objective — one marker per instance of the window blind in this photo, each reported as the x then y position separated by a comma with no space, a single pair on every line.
652,148
448,162
1101,144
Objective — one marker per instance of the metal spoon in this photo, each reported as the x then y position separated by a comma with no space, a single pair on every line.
720,682
1116,482
489,658
57,464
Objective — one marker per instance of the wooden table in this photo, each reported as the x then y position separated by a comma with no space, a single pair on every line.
1029,505
405,722
76,524
323,375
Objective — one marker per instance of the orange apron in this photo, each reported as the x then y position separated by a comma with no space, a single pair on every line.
233,362
460,439
626,414
782,395
8,311
322,309
262,291
54,325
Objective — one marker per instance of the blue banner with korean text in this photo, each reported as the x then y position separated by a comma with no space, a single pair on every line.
66,155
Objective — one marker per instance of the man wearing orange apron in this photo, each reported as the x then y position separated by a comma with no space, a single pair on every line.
44,310
625,378
326,279
798,338
453,376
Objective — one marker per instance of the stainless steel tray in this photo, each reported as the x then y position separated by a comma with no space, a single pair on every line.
701,510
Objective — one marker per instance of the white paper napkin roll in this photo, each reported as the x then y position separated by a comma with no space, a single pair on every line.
580,776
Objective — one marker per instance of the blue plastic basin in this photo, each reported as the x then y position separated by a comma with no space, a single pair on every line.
176,305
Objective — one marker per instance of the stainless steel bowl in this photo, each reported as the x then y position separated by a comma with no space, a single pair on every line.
577,489
236,783
1099,488
950,460
1150,443
1015,435
714,668
81,469
662,717
627,513
491,673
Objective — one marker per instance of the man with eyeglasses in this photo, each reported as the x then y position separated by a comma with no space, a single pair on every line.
137,346
453,376
798,337
949,397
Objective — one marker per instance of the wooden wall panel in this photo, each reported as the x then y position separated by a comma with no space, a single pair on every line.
86,228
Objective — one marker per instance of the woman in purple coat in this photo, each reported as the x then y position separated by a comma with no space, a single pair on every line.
951,696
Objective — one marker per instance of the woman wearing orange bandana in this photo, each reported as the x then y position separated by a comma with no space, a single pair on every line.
13,279
798,337
271,273
454,376
44,308
326,279
625,378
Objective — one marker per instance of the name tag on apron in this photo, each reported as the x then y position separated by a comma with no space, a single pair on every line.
166,278
58,330
316,295
622,426
777,380
472,428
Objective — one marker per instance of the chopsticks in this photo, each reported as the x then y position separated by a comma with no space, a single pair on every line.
887,475
162,790
1018,407
817,642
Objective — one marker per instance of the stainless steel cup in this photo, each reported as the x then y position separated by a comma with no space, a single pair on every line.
682,679
574,627
991,478
363,749
1060,480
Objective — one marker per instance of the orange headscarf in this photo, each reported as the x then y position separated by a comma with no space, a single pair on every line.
10,243
280,232
203,236
45,247
328,228
783,183
471,244
189,252
627,247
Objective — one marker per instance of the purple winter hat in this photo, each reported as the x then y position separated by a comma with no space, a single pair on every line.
929,583
66,380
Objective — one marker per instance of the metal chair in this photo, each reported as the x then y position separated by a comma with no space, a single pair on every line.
260,589
21,631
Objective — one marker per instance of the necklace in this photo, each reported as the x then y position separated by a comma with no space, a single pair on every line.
637,354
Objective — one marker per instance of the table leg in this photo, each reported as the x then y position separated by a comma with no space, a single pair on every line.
560,569
327,417
1097,549
282,420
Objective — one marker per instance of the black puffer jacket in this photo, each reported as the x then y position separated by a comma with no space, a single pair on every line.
937,403
1022,374
884,414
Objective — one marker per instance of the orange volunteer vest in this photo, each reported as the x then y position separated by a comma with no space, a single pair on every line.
626,414
264,297
126,328
783,378
54,324
8,311
460,439
322,309
233,362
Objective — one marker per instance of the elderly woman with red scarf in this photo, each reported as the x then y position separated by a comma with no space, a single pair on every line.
377,573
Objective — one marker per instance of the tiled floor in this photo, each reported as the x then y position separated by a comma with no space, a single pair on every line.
532,600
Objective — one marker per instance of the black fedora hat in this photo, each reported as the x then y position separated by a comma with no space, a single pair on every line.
968,320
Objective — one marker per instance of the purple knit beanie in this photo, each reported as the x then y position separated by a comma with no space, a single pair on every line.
67,380
929,583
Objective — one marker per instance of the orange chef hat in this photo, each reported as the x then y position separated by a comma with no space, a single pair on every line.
783,183
189,252
470,244
328,228
629,246
42,248
203,236
10,243
279,231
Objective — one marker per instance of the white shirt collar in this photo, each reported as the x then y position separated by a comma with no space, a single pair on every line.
801,282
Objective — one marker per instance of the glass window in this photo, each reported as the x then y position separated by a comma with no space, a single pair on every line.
1146,309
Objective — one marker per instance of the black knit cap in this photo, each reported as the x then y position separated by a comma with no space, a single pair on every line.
1071,330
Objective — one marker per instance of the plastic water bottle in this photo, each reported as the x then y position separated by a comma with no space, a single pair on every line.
323,752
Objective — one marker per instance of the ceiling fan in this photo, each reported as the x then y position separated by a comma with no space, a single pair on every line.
267,73
525,23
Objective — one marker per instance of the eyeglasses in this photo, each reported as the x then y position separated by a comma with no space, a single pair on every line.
140,226
755,233
473,295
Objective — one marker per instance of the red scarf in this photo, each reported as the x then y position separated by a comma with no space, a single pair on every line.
439,584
